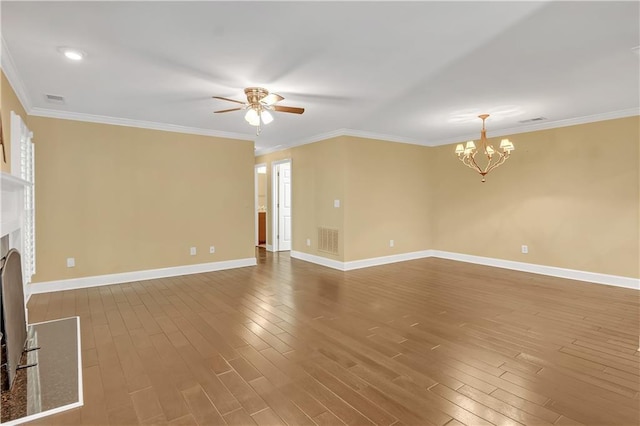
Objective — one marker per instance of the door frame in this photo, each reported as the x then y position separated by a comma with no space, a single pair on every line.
275,193
255,197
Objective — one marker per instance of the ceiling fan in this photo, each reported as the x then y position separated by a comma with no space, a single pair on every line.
258,105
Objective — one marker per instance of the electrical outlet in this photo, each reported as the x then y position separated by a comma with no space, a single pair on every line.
212,249
525,249
192,251
392,243
71,262
308,242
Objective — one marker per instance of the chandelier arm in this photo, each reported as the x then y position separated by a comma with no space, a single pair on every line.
466,162
475,165
492,164
501,161
488,167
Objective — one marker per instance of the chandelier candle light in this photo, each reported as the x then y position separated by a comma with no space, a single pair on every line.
467,153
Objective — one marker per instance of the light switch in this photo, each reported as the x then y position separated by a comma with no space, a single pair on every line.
336,203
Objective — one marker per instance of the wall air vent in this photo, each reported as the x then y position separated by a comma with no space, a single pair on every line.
54,99
328,240
532,120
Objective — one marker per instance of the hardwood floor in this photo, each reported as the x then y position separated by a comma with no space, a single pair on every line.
425,342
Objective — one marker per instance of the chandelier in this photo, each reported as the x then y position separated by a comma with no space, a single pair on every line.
467,153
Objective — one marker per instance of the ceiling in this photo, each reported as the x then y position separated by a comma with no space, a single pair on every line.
416,72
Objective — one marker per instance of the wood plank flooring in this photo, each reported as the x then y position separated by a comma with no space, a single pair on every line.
425,342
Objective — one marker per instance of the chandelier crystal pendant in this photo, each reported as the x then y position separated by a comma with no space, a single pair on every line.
467,153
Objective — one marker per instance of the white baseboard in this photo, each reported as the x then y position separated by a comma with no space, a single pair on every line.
358,264
150,274
27,295
592,277
270,247
318,260
376,261
572,274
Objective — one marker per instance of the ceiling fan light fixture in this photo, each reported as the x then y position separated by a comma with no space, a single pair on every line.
259,105
252,117
266,117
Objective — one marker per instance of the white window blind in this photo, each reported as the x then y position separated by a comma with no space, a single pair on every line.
24,158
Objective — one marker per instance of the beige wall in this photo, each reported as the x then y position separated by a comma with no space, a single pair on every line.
387,198
571,194
317,179
122,199
9,102
383,190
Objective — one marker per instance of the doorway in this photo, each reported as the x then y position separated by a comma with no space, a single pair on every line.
281,183
261,205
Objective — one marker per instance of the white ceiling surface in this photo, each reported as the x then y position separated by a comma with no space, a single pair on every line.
400,70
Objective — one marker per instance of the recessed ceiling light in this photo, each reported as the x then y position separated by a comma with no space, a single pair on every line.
73,54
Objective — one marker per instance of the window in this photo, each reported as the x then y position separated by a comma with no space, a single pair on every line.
24,159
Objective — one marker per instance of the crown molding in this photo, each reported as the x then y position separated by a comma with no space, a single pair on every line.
115,121
544,126
383,137
10,71
8,66
497,133
343,132
65,115
305,141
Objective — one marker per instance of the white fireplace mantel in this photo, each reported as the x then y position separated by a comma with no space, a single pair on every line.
11,203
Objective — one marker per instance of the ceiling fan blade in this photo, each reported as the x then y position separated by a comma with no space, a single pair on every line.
227,110
271,99
293,110
227,99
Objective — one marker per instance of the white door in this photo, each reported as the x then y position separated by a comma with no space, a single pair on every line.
283,233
